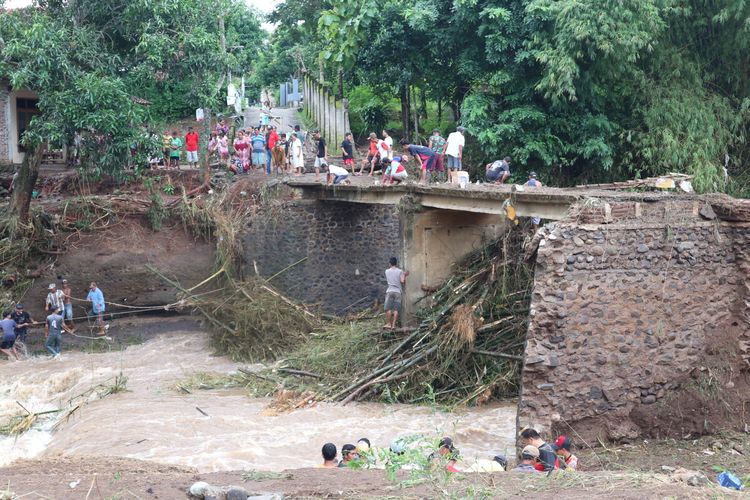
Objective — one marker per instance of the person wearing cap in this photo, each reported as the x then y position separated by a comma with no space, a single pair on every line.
562,448
55,299
498,171
534,182
373,154
454,151
23,320
53,329
348,454
68,304
96,297
547,458
329,457
393,170
8,341
529,460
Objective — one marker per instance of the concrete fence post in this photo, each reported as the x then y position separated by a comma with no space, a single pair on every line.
330,115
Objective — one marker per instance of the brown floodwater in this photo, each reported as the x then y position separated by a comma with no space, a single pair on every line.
152,421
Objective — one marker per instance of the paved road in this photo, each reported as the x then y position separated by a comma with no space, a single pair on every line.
283,118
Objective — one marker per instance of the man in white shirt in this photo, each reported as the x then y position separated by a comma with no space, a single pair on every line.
453,151
337,175
389,141
295,150
384,149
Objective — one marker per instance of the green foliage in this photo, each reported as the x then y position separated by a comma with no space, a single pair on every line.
579,91
367,111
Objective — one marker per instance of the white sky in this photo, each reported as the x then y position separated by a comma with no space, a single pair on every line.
262,6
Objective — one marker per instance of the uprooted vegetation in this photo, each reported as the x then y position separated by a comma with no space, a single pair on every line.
466,349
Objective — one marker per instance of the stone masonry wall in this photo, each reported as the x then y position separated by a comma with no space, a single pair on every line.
622,316
347,246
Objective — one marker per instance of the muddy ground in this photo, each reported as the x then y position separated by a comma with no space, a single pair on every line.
117,478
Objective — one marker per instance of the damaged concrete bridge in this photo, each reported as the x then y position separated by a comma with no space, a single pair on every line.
641,300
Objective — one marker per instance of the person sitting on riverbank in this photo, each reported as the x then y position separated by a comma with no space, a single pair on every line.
547,457
348,454
329,457
562,446
529,460
8,342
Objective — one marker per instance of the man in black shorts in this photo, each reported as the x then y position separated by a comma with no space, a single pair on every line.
7,344
23,320
499,171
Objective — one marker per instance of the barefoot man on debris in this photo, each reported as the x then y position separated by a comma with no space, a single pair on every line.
395,278
96,297
68,304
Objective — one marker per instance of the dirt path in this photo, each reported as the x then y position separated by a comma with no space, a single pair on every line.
100,478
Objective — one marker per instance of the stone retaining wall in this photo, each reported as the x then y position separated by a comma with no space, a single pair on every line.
347,246
622,316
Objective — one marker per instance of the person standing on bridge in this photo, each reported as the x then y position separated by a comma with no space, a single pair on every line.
271,139
258,142
454,151
297,155
347,150
389,142
437,144
321,157
395,278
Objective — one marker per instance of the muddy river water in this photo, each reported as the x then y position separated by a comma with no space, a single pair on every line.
152,421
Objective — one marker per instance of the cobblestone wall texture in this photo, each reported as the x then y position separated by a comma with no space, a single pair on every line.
622,316
347,246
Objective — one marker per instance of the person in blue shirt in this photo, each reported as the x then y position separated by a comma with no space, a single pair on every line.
96,297
8,341
533,182
258,143
425,158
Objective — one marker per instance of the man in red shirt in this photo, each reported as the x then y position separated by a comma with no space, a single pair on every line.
271,139
191,146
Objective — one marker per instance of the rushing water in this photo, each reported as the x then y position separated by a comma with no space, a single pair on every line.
152,421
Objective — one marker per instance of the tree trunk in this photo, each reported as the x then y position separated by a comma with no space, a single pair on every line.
415,101
405,118
24,184
439,112
454,110
423,102
341,84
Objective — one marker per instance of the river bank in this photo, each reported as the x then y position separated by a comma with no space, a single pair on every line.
101,477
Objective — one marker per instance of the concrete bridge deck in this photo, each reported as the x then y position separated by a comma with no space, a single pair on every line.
545,202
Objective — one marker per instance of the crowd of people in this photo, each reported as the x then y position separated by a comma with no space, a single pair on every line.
265,149
58,305
537,456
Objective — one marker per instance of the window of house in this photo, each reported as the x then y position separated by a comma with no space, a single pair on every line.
25,109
